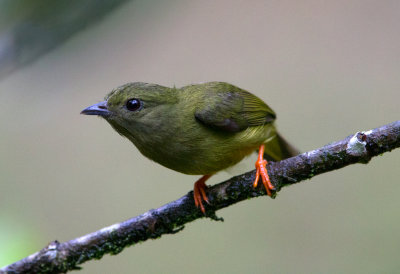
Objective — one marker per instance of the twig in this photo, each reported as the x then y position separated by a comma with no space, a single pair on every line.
170,218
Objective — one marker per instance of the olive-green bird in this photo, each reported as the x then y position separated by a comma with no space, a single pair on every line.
197,129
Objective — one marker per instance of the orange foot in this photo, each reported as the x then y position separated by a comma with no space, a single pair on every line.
261,170
199,192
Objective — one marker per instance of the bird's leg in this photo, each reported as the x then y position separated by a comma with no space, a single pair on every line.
199,192
261,170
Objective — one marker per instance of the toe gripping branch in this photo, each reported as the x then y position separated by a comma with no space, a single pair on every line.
199,192
261,170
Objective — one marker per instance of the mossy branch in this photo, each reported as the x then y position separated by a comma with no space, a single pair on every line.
170,218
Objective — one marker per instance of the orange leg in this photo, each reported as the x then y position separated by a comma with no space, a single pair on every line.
199,192
261,170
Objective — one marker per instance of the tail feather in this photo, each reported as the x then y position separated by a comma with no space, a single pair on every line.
277,148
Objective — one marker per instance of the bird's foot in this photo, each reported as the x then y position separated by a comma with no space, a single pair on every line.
261,170
199,193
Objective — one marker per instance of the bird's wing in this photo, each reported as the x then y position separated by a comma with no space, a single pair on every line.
231,109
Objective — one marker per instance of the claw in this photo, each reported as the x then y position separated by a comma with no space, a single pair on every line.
261,170
199,193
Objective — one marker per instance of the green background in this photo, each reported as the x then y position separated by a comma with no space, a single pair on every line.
328,69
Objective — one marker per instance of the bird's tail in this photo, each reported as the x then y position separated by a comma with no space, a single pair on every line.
277,148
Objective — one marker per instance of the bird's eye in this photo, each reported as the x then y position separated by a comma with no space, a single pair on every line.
133,104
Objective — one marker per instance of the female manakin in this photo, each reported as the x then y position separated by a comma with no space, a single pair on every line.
197,129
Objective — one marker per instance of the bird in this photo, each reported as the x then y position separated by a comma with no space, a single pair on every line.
198,129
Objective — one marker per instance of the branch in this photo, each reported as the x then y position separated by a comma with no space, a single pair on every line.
170,218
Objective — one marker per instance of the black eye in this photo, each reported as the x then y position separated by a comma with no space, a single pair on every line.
133,104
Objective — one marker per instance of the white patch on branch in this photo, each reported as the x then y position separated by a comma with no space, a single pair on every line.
110,228
356,147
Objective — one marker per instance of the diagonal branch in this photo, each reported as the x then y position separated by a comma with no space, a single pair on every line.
170,218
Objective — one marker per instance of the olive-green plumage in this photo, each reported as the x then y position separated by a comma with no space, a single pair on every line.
197,129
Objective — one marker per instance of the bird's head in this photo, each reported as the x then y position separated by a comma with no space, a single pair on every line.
135,108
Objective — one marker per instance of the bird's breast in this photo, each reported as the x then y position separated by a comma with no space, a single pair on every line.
199,150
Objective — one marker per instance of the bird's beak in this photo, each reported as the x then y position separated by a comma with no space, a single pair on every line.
97,109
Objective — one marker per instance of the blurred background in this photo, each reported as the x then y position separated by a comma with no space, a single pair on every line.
328,68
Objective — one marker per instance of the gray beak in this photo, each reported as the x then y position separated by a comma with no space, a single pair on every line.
97,109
